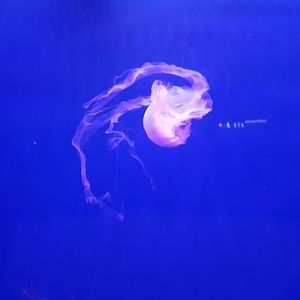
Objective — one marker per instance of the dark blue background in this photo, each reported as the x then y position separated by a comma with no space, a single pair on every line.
224,220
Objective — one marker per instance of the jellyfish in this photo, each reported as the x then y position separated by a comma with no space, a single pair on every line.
166,121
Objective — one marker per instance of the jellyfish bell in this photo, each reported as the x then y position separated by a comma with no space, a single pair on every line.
167,119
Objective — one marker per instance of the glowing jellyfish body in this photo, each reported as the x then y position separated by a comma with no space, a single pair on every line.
167,120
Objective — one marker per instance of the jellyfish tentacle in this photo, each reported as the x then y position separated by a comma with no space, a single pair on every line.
91,123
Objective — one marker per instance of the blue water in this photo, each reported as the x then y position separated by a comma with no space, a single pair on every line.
224,221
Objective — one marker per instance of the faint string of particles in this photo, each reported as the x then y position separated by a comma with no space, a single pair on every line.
241,124
30,293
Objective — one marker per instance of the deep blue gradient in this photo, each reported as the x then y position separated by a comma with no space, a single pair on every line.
224,222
